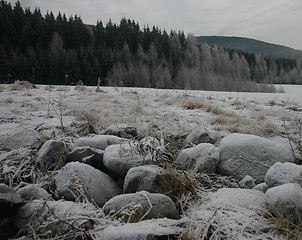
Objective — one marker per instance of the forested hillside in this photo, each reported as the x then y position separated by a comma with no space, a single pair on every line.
63,50
253,46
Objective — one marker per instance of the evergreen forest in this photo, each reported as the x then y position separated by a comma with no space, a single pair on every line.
61,50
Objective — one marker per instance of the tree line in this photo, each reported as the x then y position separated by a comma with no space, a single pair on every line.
63,50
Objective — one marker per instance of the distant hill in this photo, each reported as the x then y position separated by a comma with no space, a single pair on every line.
253,46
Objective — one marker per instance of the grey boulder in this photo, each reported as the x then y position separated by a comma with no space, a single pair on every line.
281,173
88,155
80,181
135,207
31,192
286,200
198,135
245,154
52,155
10,202
98,141
247,182
203,158
119,158
121,130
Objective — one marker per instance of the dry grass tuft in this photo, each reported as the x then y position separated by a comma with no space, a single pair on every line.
21,85
191,104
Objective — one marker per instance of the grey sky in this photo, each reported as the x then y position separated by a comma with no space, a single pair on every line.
275,21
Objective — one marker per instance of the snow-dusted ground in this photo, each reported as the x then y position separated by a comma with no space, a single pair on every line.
149,109
172,112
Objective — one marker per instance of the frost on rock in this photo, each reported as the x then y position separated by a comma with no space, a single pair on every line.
50,219
149,229
281,173
245,154
230,213
286,200
78,181
98,141
119,158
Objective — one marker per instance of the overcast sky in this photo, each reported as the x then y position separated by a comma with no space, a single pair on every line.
275,21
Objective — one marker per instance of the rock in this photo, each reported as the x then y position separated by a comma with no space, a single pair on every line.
121,130
52,155
31,192
247,182
244,154
119,158
262,187
78,179
88,155
56,217
152,179
203,158
134,207
198,135
10,202
24,138
286,200
243,198
98,141
281,173
165,229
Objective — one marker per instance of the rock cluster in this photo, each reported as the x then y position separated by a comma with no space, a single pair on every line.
123,179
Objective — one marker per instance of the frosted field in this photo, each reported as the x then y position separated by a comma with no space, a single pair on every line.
150,110
82,111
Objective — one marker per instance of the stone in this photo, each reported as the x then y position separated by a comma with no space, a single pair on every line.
141,206
88,155
10,202
151,178
281,173
121,130
31,192
286,200
203,158
165,229
78,180
98,141
262,187
24,138
50,214
52,155
245,154
247,182
119,158
198,135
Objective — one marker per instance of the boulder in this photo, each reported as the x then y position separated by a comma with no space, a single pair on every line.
247,182
52,155
135,207
98,141
243,198
10,202
245,154
24,138
88,155
31,192
119,158
56,217
78,180
203,158
152,179
198,135
121,130
148,229
281,173
262,187
286,200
